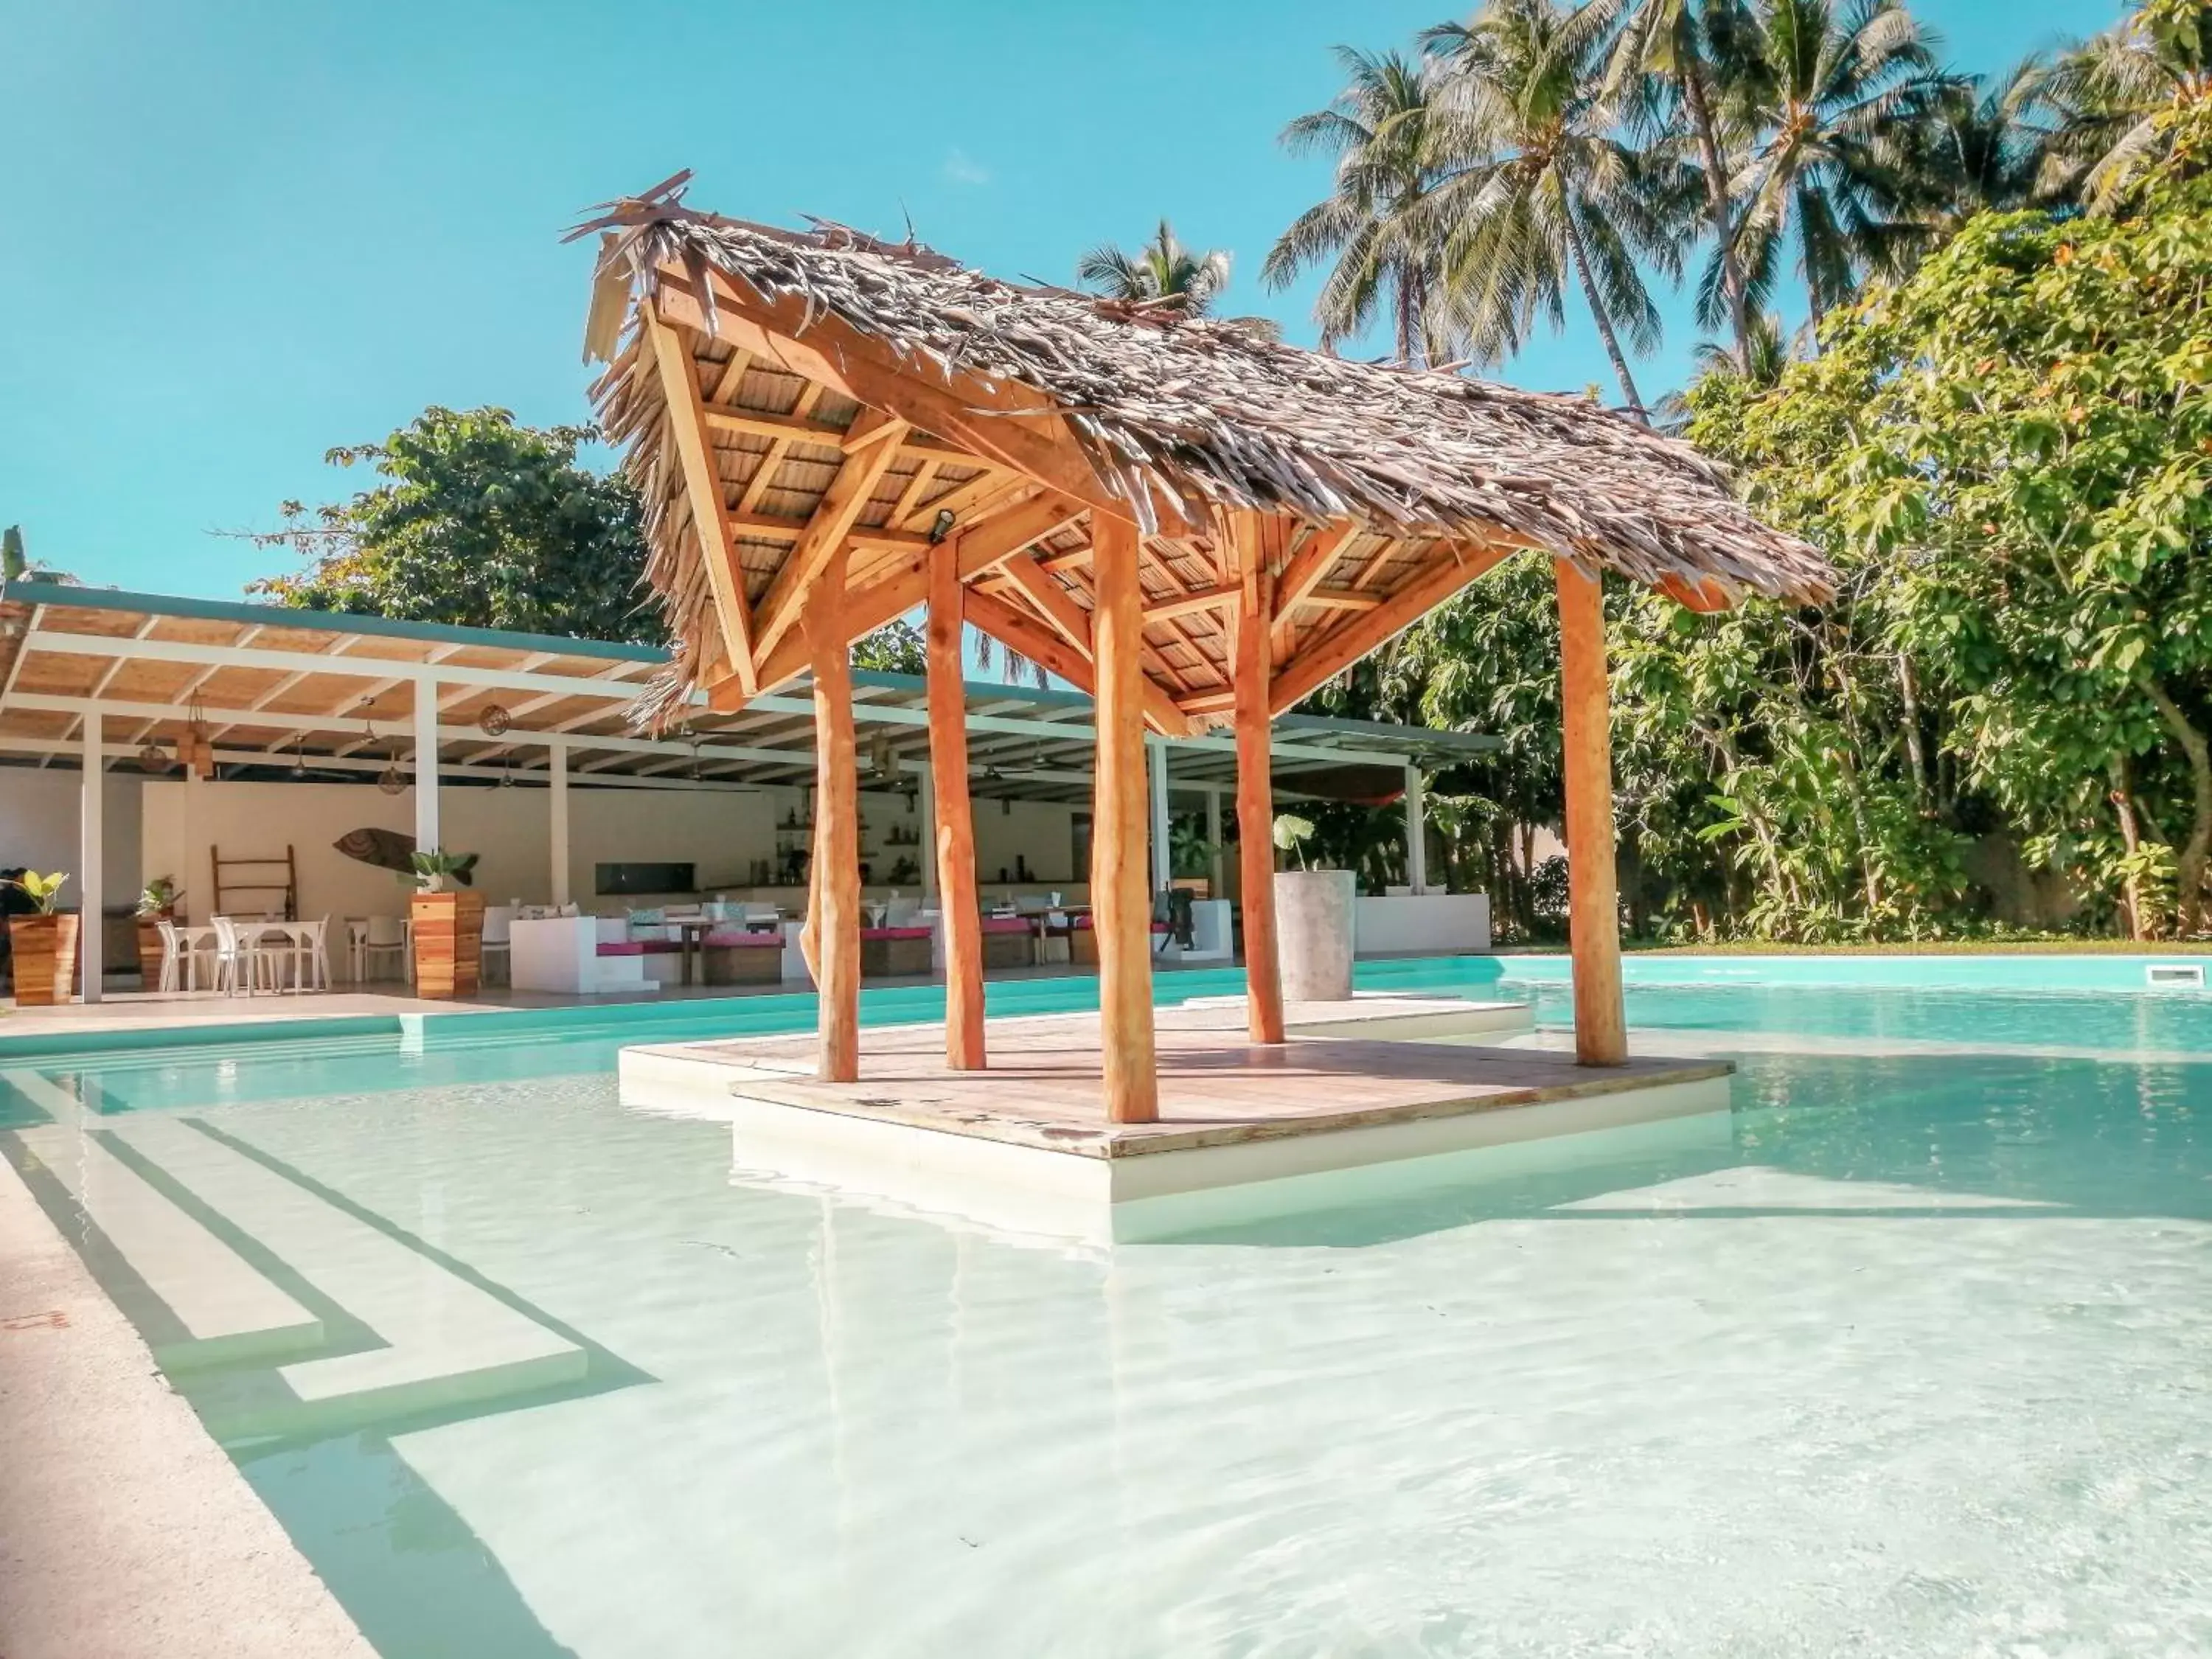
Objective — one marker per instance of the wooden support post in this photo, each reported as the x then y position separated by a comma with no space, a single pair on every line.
1593,908
954,830
835,914
1121,910
1255,796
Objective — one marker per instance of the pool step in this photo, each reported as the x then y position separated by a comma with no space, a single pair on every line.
228,1312
446,1342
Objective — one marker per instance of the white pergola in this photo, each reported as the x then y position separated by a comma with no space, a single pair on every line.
89,677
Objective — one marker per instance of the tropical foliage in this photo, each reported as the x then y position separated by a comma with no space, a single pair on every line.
477,520
1995,423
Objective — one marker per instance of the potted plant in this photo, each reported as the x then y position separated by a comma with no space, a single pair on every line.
1191,858
448,924
157,903
1313,920
44,943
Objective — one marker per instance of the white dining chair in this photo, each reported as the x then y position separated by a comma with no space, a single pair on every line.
241,961
383,936
176,965
311,956
498,938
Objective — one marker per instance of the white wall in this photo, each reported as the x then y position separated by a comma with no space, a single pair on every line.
39,810
722,832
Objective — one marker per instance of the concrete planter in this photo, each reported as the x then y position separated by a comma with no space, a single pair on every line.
45,950
1313,928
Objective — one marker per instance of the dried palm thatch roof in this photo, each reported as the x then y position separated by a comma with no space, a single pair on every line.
1178,419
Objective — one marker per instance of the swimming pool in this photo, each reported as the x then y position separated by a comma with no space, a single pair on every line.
1908,1358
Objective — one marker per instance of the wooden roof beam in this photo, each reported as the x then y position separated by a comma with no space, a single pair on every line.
702,488
1069,619
824,535
1000,424
1019,632
1303,575
1324,659
1203,598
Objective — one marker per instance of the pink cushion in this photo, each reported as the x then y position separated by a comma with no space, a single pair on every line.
614,947
658,947
1004,925
1082,921
727,938
895,933
1157,927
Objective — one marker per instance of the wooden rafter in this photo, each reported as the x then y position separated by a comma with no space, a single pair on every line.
1185,604
1308,566
702,488
1020,631
1361,632
1069,619
895,587
824,537
1000,424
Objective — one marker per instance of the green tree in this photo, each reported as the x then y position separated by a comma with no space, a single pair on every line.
897,648
478,520
1664,40
1833,100
1541,188
1162,269
2118,98
1378,128
2013,452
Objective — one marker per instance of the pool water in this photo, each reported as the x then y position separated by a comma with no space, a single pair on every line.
1911,1354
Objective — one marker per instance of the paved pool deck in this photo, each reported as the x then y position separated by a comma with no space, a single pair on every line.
128,1533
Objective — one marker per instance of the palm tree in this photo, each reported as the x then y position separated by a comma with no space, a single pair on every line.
2113,98
16,566
1378,128
1832,99
1981,149
1538,186
1162,268
1665,40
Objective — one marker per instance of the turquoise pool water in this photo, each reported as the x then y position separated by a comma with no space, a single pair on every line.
1911,1354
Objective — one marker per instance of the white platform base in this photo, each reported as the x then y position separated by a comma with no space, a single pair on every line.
1169,1196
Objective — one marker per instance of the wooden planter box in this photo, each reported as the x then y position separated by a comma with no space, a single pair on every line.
149,951
895,952
448,943
742,964
45,949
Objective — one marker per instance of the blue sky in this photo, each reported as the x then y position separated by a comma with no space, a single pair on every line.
240,233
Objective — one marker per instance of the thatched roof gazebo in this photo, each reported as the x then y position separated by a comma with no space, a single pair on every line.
1194,522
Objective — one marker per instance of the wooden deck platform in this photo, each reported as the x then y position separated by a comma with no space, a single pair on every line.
1373,1082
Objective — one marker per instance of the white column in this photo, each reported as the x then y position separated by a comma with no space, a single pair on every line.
426,764
1163,865
557,796
1417,846
927,804
90,878
1213,839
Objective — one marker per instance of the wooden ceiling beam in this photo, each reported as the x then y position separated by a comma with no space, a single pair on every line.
1031,637
1302,575
999,423
702,488
1323,658
824,535
1051,600
768,527
1203,598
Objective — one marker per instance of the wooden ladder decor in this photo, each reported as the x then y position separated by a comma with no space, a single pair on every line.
289,887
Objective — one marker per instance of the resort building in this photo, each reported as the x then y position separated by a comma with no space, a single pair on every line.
316,727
